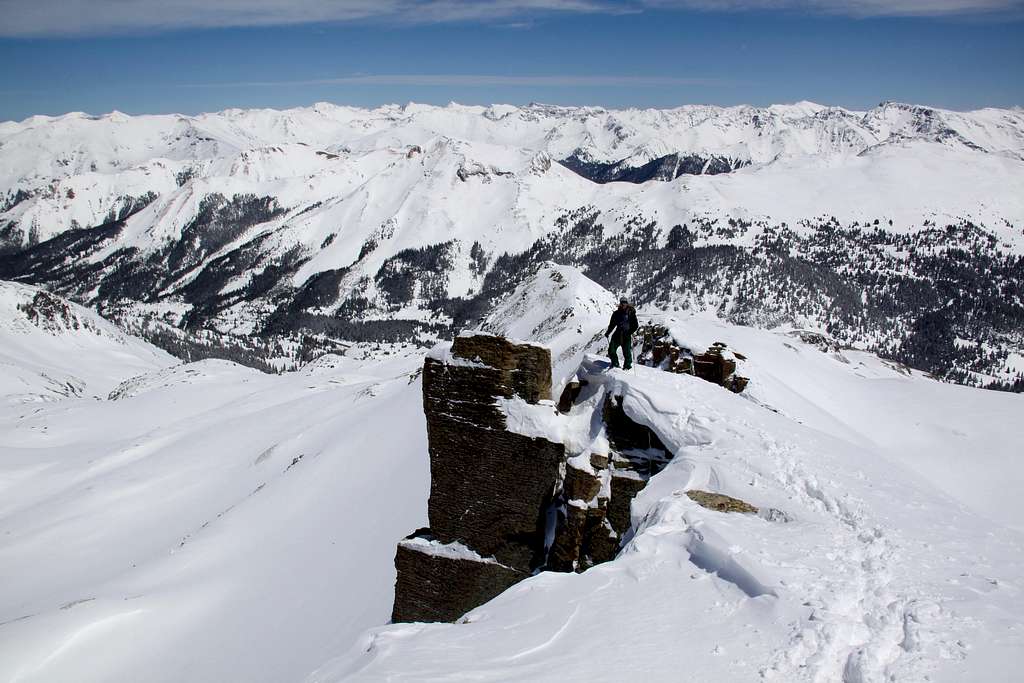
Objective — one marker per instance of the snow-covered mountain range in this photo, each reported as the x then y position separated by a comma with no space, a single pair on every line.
207,522
897,229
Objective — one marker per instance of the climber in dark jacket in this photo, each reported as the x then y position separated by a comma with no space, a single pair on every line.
621,328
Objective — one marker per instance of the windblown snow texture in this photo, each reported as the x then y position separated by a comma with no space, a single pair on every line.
208,522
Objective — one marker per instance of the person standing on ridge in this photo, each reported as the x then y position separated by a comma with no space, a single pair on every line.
621,328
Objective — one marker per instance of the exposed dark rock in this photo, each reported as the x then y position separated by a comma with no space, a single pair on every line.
584,536
720,502
432,586
646,462
660,350
580,485
526,368
491,489
625,434
822,341
570,393
600,542
625,485
713,366
49,312
565,551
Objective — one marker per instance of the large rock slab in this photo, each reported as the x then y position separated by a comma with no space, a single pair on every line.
625,485
720,502
568,544
438,582
491,489
525,367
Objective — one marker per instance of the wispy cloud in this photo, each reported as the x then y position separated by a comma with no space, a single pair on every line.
854,8
28,18
478,80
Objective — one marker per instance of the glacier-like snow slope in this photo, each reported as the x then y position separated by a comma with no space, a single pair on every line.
561,308
62,352
207,522
210,523
901,557
411,176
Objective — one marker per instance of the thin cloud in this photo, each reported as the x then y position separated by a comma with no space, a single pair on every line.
852,8
37,18
477,81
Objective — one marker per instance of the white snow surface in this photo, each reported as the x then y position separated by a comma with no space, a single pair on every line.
211,523
452,551
407,177
78,355
560,308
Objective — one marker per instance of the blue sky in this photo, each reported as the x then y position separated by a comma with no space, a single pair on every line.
143,56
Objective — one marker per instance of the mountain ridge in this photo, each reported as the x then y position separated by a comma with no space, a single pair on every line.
399,223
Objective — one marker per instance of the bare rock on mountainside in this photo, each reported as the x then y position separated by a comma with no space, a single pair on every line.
717,364
525,368
490,488
439,582
505,502
52,313
720,502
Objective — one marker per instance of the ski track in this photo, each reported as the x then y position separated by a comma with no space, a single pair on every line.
860,628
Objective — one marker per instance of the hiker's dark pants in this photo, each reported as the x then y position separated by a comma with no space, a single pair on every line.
626,342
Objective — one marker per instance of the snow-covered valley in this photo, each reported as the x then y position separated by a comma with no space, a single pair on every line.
207,522
897,230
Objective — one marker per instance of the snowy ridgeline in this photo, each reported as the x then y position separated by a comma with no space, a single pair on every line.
210,522
284,233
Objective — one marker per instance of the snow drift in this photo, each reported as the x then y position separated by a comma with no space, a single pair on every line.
213,523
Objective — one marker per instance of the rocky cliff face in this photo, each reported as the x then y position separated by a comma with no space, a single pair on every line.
716,365
491,489
516,488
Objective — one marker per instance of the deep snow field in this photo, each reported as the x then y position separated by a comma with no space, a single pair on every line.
206,522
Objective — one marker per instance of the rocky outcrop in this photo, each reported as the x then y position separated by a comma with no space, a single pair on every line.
491,489
569,394
723,503
504,503
716,365
441,582
583,535
720,502
598,492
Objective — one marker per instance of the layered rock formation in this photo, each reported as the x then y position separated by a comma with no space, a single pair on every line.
441,582
716,365
491,489
505,502
598,491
